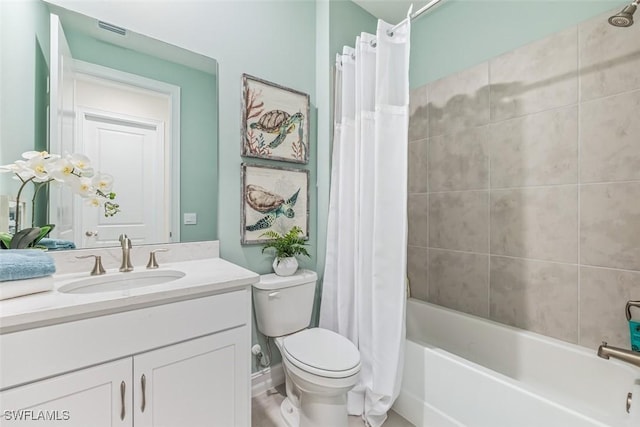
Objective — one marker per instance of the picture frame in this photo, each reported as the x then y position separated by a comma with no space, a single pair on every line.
275,121
273,198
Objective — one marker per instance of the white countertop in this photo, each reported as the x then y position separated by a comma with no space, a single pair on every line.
203,277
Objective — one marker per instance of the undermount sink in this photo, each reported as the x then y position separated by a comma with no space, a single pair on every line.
120,281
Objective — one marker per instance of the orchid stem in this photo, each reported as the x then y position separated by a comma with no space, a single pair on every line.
18,201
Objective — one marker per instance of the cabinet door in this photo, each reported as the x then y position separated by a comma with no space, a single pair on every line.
198,383
89,397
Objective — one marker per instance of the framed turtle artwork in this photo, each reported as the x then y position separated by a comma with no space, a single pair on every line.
273,198
275,121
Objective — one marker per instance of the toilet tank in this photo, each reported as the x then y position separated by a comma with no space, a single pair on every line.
284,305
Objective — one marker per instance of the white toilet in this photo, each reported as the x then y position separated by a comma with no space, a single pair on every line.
320,366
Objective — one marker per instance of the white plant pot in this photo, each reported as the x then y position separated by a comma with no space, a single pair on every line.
285,266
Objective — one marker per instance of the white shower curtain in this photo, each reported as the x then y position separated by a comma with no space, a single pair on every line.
363,296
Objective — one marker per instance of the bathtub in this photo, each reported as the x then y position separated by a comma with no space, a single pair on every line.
462,370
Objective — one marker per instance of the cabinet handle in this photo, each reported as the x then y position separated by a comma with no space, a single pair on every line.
123,387
143,382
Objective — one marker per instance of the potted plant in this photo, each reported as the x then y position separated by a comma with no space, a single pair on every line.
286,247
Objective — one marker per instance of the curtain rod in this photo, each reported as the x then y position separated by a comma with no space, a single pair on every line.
412,16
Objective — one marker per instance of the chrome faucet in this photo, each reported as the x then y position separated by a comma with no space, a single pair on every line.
628,356
126,253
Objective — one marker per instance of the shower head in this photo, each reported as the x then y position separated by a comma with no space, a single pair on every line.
625,17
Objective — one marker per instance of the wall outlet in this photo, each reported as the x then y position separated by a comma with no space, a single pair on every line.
190,219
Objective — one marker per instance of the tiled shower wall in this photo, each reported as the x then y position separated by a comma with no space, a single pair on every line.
524,186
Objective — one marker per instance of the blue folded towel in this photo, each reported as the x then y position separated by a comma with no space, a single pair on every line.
17,264
56,244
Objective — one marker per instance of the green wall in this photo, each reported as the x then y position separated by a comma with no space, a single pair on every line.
198,125
24,36
460,33
347,21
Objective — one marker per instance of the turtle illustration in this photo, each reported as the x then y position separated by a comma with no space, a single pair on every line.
278,122
271,204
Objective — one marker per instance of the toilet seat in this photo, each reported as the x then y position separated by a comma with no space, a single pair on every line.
322,352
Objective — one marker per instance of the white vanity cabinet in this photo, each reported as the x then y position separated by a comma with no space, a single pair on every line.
190,384
185,363
88,397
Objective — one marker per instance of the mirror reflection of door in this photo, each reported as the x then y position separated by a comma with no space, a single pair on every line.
123,123
121,128
134,148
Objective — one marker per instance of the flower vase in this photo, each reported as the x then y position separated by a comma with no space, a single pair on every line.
285,266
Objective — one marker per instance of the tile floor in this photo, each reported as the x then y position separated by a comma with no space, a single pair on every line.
265,412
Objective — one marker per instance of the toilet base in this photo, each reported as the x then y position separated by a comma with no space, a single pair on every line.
290,414
321,412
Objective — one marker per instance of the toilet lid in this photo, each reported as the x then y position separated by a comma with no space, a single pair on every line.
322,350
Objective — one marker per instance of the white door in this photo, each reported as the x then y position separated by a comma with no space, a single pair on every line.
98,397
198,383
132,150
61,125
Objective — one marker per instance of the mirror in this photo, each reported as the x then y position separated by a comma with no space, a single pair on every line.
143,111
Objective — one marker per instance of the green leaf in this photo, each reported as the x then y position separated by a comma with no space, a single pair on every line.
5,240
44,230
286,245
24,238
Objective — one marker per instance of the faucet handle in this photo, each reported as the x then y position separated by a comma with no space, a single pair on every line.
152,258
98,269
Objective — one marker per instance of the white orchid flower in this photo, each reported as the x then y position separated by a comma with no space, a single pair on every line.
43,154
20,169
94,202
82,187
82,163
102,182
62,170
74,170
39,166
16,167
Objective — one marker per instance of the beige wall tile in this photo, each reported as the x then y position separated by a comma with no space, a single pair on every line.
610,225
603,295
417,271
459,221
535,295
610,138
532,141
418,113
538,149
417,167
459,281
459,101
535,77
459,161
538,223
418,214
609,57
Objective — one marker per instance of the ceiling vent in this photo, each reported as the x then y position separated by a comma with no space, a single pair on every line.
112,28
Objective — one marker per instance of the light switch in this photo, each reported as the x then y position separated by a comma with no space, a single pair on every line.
190,219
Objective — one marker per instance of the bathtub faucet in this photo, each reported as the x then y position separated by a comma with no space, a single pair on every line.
628,356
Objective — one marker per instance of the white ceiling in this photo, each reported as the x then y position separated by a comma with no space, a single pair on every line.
391,11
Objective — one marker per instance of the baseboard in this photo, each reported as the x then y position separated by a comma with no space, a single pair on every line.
266,379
